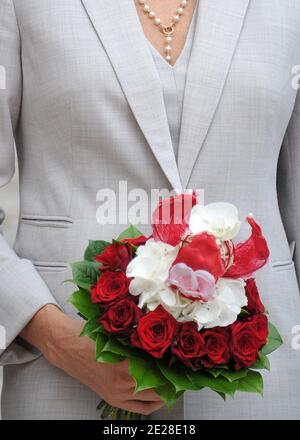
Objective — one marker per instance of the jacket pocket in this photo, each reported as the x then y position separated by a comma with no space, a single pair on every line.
50,266
47,221
279,266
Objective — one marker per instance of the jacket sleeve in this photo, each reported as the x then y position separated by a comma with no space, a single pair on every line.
22,290
288,184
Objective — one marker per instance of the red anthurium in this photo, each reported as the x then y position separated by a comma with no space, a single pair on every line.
171,217
202,253
250,255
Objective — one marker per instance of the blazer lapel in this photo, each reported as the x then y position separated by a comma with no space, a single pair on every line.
118,27
219,24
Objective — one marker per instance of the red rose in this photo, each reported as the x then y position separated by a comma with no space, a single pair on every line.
137,241
216,347
260,324
110,288
122,317
155,332
202,253
189,344
115,257
245,344
254,303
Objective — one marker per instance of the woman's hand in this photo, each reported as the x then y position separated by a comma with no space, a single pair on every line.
57,336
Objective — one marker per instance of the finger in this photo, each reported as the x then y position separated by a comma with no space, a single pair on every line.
144,408
147,396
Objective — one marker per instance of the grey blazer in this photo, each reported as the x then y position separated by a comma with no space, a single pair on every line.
84,104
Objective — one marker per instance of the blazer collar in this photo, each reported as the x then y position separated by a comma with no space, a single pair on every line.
219,24
218,27
120,31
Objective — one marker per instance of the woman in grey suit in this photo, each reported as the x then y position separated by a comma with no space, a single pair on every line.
95,93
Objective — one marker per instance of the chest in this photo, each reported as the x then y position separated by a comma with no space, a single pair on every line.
60,44
179,13
91,62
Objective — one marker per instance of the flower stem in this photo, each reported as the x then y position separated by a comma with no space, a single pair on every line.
112,413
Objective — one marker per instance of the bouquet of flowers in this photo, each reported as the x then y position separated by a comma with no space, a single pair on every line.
181,305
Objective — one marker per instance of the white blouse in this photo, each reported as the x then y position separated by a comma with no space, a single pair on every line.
173,79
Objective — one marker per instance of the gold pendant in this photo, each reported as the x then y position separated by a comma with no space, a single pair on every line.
168,30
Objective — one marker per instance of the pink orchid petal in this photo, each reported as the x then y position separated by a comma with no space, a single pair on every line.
196,285
206,284
183,277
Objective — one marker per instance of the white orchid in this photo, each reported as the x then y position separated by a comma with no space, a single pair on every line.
220,219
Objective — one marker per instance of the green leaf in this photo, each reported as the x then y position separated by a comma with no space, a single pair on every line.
92,336
99,329
110,358
94,248
274,340
85,273
130,232
167,393
178,376
261,363
252,383
215,372
245,312
146,373
222,395
234,375
104,356
81,300
81,316
221,367
101,341
219,384
114,346
90,326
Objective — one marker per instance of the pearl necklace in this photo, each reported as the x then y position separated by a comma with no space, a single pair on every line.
167,30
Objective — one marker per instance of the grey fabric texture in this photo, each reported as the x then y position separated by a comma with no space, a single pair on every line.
173,80
85,105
